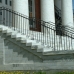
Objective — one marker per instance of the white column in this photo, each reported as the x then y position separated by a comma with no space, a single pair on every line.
21,6
67,13
47,11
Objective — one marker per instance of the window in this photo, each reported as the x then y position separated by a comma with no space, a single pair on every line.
0,12
0,1
30,5
10,3
30,13
6,2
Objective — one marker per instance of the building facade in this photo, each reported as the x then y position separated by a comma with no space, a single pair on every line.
6,3
33,29
42,9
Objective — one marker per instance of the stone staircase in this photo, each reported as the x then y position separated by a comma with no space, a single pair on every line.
19,52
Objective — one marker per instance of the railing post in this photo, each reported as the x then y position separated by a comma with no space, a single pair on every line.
2,16
14,21
54,40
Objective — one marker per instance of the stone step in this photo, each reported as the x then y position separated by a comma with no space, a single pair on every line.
44,37
18,60
13,60
6,67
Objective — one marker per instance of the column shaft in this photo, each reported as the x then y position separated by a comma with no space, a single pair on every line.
47,12
21,6
67,13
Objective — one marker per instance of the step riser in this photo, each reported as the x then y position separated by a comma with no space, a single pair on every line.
16,54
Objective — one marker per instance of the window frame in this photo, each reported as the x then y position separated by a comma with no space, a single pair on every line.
6,2
0,1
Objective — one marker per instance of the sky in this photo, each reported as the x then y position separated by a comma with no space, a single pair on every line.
73,4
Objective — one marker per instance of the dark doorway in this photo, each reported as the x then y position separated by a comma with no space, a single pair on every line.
34,19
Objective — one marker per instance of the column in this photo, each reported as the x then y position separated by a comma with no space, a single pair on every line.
67,13
47,12
21,6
